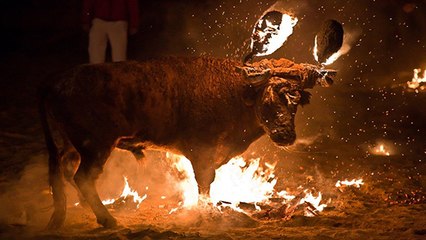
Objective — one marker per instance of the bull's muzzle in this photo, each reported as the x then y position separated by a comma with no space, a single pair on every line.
283,137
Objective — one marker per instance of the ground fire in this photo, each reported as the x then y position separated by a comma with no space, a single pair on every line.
417,82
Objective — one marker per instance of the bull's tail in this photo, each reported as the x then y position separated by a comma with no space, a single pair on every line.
56,181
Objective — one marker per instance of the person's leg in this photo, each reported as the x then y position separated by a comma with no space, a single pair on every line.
97,41
117,34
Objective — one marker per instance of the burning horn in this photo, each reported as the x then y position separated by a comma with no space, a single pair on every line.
270,32
328,40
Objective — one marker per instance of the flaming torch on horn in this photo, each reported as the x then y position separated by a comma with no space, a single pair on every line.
328,45
270,32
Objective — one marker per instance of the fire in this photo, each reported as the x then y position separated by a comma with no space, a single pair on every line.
343,50
416,80
381,150
126,195
238,181
188,185
241,183
314,204
354,182
272,35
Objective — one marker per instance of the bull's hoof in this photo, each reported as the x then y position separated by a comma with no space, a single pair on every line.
108,222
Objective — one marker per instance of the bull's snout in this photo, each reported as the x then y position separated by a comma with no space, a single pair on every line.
283,137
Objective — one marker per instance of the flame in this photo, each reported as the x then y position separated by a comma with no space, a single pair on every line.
381,149
127,191
416,80
354,182
314,202
125,194
238,181
347,40
274,36
188,184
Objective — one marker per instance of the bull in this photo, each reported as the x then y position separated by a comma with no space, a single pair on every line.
207,109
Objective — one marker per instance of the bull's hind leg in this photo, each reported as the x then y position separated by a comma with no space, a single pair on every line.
70,162
93,159
57,186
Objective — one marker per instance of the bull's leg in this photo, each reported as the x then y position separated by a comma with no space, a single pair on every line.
133,145
91,165
70,162
57,186
204,174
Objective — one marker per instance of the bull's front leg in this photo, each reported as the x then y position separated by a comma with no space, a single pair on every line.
204,170
205,162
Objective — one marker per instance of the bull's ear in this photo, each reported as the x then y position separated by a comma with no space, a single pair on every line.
305,98
250,95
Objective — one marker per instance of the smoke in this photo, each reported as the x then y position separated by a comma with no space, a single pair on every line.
27,202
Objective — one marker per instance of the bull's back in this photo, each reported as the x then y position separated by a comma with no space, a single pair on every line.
159,99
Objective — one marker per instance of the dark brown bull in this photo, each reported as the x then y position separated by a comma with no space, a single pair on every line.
208,110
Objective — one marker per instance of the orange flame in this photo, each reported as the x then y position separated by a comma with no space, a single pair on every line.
354,182
314,201
188,185
127,191
280,34
238,181
381,149
416,80
347,40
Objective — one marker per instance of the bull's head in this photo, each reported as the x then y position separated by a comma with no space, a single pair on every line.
276,88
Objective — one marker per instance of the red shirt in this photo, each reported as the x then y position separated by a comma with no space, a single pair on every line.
111,10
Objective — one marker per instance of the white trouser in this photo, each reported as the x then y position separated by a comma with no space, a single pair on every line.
102,31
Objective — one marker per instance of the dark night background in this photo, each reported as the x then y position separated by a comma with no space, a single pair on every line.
367,104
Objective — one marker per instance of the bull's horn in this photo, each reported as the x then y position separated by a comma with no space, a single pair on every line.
312,75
